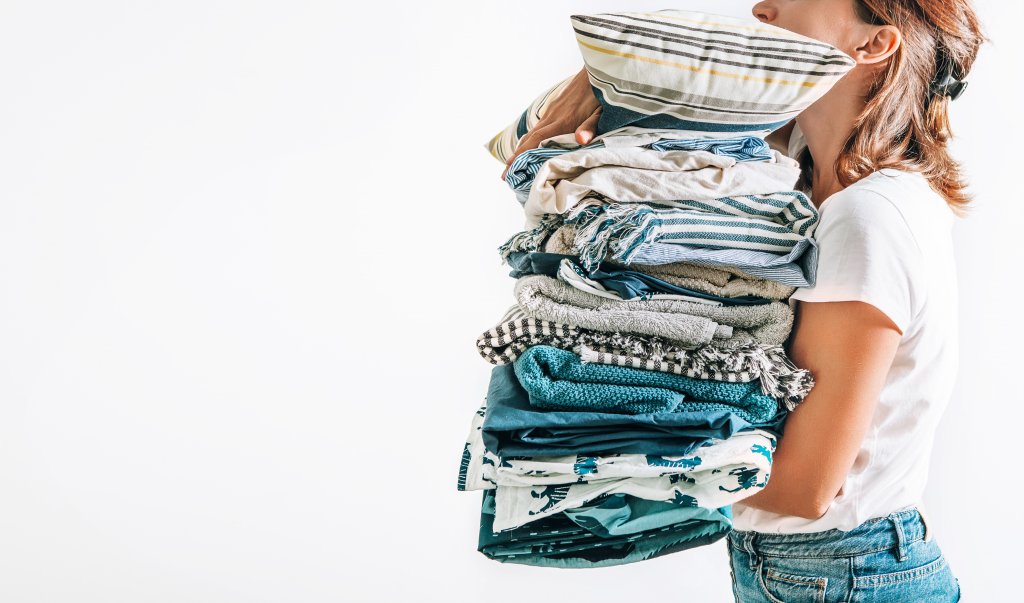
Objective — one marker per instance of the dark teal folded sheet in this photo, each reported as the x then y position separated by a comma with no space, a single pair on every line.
513,427
613,530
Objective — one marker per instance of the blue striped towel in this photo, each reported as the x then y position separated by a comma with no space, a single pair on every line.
772,223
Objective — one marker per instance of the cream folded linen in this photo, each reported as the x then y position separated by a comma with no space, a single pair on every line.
636,175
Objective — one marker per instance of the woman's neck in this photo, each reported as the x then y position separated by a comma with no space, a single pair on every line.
826,125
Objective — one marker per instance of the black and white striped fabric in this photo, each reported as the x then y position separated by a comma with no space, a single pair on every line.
516,332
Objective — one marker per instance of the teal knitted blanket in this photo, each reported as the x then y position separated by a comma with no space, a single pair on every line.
557,380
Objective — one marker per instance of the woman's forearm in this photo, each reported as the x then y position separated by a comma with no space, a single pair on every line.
848,347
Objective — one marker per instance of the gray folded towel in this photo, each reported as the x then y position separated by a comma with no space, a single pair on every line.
686,324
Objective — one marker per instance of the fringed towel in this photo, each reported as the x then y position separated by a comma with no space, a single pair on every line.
772,223
777,374
767,364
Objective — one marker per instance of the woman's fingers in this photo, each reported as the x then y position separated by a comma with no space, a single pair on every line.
544,130
575,109
585,133
532,139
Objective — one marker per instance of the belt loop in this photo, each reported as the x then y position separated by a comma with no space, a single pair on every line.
901,539
752,555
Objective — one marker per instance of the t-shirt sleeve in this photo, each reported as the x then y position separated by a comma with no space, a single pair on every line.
867,253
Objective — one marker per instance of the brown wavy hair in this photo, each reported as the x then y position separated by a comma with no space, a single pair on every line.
904,126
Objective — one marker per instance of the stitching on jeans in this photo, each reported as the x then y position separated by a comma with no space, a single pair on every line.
782,555
764,587
903,576
904,513
818,584
793,579
819,556
789,538
849,581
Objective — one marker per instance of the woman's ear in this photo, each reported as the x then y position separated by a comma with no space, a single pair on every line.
881,43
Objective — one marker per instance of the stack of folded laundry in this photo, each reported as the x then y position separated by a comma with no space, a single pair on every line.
640,378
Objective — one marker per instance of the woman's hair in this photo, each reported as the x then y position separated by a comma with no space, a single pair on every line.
904,125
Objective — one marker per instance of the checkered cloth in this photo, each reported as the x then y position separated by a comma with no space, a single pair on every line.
779,377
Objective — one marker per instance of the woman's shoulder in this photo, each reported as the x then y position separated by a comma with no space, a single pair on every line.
890,184
890,203
872,204
869,250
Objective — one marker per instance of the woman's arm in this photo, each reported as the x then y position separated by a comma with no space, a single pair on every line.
848,347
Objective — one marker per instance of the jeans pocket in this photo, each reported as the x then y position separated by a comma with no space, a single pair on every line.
783,587
923,576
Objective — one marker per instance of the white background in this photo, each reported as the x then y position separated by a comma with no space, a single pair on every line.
245,251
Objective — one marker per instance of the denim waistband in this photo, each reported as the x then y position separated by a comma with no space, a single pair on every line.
895,531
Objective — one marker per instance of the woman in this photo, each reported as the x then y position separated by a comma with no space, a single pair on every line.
840,518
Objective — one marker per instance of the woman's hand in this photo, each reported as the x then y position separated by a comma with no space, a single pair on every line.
575,109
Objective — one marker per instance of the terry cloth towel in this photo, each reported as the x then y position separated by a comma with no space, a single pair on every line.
780,379
767,364
638,175
556,380
772,223
685,324
633,283
612,530
524,167
512,427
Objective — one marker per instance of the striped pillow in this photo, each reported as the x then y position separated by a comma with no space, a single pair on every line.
697,71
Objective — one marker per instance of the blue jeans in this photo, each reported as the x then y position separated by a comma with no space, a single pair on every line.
882,560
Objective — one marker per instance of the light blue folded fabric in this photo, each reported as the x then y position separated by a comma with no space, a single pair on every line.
797,268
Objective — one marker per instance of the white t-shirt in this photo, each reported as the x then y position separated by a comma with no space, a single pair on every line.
887,240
